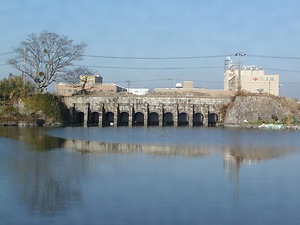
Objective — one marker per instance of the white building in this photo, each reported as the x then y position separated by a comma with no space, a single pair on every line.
138,91
252,79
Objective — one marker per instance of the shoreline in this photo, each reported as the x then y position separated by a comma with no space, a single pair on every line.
248,126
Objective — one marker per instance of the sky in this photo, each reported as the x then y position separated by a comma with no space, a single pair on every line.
164,29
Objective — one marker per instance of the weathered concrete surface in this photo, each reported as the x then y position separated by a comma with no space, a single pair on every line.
113,108
245,110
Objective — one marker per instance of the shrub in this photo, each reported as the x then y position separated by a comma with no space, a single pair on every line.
46,106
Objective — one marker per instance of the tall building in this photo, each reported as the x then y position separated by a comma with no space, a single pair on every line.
250,78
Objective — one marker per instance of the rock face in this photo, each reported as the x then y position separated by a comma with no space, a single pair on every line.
245,110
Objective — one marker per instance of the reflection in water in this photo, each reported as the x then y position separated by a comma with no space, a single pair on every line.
50,181
34,136
47,181
236,156
48,187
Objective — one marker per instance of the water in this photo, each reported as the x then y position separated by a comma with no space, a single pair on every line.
149,176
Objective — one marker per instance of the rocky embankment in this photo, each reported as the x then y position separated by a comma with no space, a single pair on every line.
264,112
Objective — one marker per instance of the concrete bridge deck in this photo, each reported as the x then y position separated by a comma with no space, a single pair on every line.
130,110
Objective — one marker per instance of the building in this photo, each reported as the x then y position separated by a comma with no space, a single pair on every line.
252,79
187,88
138,91
93,85
91,79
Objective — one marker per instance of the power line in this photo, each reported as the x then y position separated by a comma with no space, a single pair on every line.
137,81
154,68
178,57
155,58
6,53
273,57
5,64
283,70
196,81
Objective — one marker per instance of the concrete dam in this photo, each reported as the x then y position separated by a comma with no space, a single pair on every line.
130,110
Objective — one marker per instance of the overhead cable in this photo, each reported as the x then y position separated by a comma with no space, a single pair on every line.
154,68
154,58
273,57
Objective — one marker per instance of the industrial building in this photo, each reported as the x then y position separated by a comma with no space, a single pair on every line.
249,78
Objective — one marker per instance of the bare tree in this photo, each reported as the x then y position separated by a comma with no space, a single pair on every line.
45,58
78,78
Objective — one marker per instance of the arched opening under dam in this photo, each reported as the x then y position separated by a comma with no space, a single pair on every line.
197,119
123,119
212,119
153,119
168,119
79,120
183,119
94,118
108,119
138,119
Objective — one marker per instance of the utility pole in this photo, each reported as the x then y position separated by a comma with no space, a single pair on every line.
239,54
128,85
169,82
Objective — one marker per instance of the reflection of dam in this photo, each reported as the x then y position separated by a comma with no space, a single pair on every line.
233,154
103,147
237,154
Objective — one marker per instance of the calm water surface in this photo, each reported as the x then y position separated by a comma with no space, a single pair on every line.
149,176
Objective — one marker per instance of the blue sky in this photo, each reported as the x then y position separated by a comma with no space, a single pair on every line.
168,28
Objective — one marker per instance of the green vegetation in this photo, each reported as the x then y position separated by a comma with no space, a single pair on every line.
13,88
46,106
19,103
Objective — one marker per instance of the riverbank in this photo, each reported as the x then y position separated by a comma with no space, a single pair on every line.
265,126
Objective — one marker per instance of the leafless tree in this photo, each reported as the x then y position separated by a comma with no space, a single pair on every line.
46,57
77,78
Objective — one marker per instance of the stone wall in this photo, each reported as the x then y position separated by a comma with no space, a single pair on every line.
245,110
117,104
